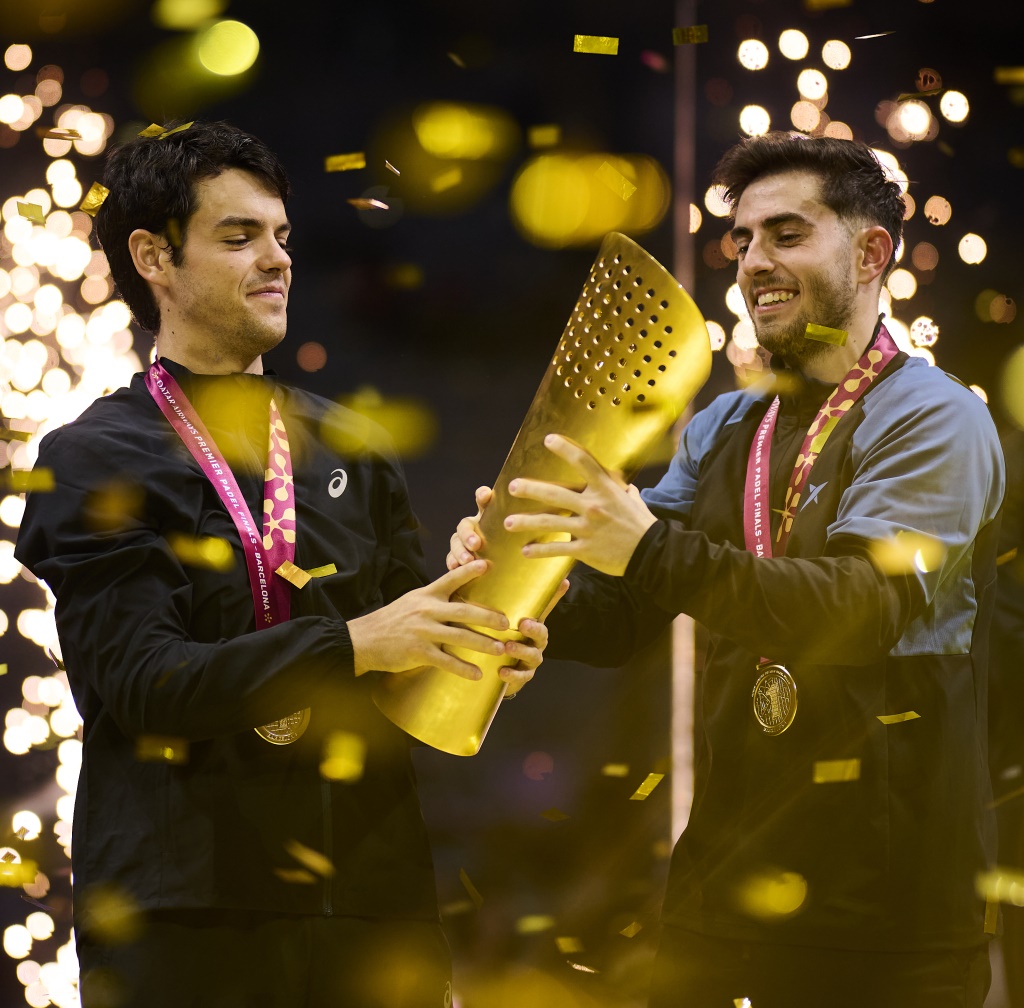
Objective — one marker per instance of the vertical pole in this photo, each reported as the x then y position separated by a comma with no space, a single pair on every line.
684,178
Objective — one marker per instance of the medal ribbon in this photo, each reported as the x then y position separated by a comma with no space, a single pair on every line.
263,554
756,520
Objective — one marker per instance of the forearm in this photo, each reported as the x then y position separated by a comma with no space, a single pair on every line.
835,609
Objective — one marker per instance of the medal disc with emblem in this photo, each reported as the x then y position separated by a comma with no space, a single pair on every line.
774,698
286,729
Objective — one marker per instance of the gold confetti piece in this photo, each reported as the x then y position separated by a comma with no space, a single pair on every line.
553,815
21,832
861,38
345,162
17,873
836,771
9,434
210,552
741,1003
897,718
600,44
456,907
344,757
615,769
772,894
991,924
3,669
632,930
32,212
324,571
534,924
446,180
161,749
57,133
1000,885
8,857
1006,557
152,130
37,480
94,199
361,203
909,95
474,893
690,35
110,915
1009,75
294,575
580,967
825,334
615,180
907,552
177,129
316,862
568,945
457,60
651,781
544,136
295,876
391,167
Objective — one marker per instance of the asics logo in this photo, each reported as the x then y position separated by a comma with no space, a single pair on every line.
338,483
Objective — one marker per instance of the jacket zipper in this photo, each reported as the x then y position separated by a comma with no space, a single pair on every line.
325,791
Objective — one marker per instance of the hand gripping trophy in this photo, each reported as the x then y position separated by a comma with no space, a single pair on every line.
634,353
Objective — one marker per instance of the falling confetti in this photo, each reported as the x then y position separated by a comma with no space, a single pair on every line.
25,480
615,180
310,859
32,212
326,571
362,203
94,199
294,575
161,749
345,162
601,44
615,769
689,36
826,334
631,930
390,167
569,945
210,552
344,756
897,718
836,771
651,781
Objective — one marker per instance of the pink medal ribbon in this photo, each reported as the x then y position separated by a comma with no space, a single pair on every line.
265,554
775,691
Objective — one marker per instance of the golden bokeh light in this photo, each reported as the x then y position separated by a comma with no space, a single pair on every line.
805,116
696,218
812,84
773,894
836,55
17,56
902,284
937,210
561,199
972,249
227,48
1011,387
755,120
752,54
913,118
716,335
954,106
716,202
186,15
793,44
451,130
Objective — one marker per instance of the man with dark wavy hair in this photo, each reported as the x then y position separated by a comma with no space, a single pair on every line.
834,528
234,564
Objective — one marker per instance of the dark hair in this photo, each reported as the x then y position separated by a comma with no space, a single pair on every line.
854,185
152,185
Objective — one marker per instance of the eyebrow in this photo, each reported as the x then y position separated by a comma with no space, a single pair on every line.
249,222
771,222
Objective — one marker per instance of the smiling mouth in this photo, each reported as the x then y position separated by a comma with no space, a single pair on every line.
774,297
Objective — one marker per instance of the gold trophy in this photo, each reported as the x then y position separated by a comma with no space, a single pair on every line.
634,353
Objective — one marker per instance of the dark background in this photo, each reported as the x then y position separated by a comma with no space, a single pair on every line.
472,341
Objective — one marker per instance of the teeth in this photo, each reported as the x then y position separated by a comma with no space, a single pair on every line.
773,296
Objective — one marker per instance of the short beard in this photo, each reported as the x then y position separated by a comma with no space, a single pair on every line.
834,299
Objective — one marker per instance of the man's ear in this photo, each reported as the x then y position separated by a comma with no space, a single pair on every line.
874,250
151,254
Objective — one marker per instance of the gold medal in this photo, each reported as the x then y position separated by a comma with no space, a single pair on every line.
774,698
285,730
